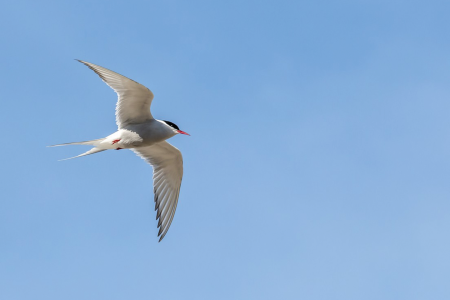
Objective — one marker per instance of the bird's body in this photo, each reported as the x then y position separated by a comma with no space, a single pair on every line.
139,135
140,132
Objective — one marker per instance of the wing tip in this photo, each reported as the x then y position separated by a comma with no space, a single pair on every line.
161,236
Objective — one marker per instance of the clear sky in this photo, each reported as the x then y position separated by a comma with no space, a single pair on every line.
318,166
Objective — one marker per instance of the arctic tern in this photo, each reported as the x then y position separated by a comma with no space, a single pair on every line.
146,136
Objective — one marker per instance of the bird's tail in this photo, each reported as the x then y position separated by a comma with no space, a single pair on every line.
92,142
92,151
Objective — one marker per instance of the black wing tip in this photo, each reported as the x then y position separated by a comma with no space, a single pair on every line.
161,237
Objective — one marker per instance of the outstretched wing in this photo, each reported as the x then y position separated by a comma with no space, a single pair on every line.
133,105
167,164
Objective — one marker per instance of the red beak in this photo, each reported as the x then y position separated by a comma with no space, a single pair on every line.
182,132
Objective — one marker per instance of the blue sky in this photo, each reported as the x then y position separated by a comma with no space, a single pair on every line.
318,166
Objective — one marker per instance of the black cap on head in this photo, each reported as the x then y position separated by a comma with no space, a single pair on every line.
173,125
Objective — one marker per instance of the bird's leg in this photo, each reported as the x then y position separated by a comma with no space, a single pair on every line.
114,142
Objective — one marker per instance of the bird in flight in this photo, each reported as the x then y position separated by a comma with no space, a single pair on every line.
146,136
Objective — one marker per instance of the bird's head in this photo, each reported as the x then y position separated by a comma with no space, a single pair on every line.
175,127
